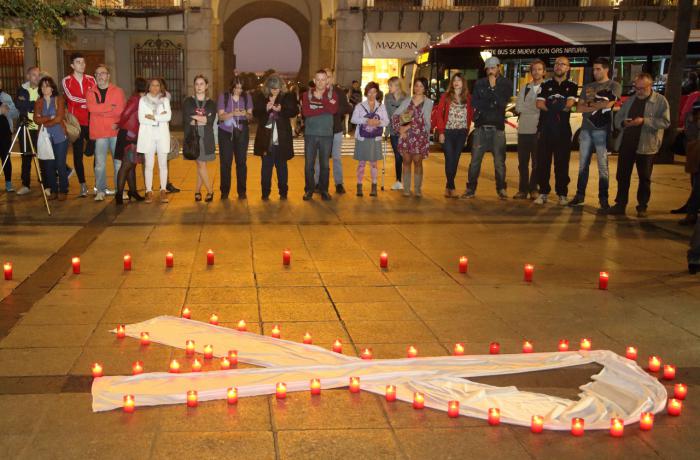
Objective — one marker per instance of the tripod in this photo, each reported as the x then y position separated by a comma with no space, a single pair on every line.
27,138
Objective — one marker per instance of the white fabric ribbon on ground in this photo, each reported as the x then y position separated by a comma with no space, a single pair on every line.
622,389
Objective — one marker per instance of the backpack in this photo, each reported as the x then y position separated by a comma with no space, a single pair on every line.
370,132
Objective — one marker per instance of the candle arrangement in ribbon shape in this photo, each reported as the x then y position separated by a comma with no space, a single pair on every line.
654,363
145,338
196,365
617,427
225,363
208,351
186,313
121,331
7,270
390,393
586,344
366,353
241,327
528,347
458,349
674,407
418,400
137,368
577,426
192,400
412,352
631,353
537,424
281,390
563,345
494,416
189,348
315,386
233,357
669,372
276,333
307,338
214,319
494,348
453,409
680,391
354,386
232,395
129,404
174,367
338,346
97,370
646,421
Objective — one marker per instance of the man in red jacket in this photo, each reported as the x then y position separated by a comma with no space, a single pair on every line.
75,87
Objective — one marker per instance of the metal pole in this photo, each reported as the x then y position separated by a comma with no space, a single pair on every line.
613,38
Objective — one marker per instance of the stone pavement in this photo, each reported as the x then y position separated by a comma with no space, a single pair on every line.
53,324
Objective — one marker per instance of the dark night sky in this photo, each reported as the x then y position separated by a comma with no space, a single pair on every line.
267,43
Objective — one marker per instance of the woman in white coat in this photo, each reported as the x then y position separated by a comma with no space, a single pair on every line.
371,118
154,137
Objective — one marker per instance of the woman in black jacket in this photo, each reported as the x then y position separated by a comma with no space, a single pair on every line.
273,108
199,113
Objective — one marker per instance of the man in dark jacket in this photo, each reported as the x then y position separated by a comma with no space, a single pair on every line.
489,99
27,94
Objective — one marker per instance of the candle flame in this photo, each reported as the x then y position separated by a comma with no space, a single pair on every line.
459,349
241,326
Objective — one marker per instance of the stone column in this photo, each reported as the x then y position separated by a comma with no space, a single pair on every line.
198,40
348,49
110,53
29,48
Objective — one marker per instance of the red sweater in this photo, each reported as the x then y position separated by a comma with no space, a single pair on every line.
75,96
104,116
442,112
129,119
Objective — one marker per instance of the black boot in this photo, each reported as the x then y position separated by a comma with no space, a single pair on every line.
359,190
119,198
374,190
135,195
171,188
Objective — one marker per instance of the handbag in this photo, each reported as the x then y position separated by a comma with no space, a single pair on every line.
72,127
44,148
191,148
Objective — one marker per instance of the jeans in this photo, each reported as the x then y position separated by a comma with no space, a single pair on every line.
589,139
694,199
554,143
57,166
398,161
317,147
626,162
233,147
279,162
82,145
101,146
527,163
5,142
488,139
33,135
454,142
336,152
694,250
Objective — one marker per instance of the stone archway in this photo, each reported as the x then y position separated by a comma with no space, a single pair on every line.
266,9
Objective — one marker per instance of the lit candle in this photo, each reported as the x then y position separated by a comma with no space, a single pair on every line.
669,371
208,352
494,416
129,404
192,398
646,421
384,260
232,395
145,338
97,370
366,353
75,261
563,345
281,390
412,352
631,353
390,393
276,334
453,409
210,257
7,269
196,365
354,386
577,426
241,326
458,349
528,347
233,357
585,344
189,347
225,363
418,400
307,339
603,281
537,424
674,407
654,363
617,427
494,348
315,386
121,331
127,262
169,259
286,257
680,391
174,367
338,346
529,271
214,319
463,264
186,313
137,368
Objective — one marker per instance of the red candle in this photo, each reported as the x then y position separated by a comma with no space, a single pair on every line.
338,346
603,281
127,262
196,365
494,348
654,363
75,261
214,319
242,327
384,260
617,427
453,409
418,400
577,426
281,390
137,368
232,395
669,371
186,313
631,353
354,386
528,347
121,331
208,352
563,345
129,404
494,416
680,391
529,271
537,424
307,339
646,421
7,268
286,257
463,264
315,386
97,370
145,338
585,344
225,363
192,398
412,352
210,257
458,349
233,357
189,347
276,334
366,353
174,367
169,259
390,394
674,407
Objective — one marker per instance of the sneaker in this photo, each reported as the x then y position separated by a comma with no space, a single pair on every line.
502,194
563,200
8,187
23,190
83,190
468,194
109,192
541,199
617,210
520,196
125,195
100,196
325,196
308,196
47,191
577,201
339,189
397,186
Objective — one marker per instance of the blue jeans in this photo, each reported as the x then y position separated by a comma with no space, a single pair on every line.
336,151
488,139
454,142
590,139
57,166
317,147
101,146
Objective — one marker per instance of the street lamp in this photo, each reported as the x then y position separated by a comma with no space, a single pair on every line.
613,39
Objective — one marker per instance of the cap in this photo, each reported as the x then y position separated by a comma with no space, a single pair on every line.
492,62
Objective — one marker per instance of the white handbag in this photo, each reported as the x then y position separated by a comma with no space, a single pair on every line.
44,148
